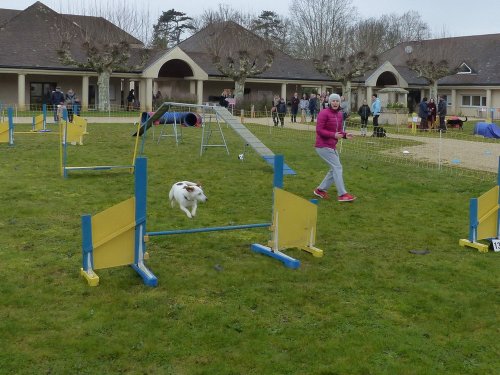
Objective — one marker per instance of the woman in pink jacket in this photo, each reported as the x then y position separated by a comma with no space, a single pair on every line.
328,132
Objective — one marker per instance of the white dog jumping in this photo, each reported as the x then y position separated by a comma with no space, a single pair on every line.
187,194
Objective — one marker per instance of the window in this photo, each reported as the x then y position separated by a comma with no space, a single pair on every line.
40,93
473,101
464,69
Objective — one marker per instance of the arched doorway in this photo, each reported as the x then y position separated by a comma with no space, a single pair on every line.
172,82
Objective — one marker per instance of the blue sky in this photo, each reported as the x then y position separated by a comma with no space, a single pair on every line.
454,18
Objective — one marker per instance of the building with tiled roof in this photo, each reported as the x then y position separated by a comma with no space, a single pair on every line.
30,68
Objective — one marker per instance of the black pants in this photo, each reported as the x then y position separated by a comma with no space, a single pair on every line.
282,119
442,124
375,121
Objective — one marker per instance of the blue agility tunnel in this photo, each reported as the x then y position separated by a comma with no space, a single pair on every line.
182,118
487,130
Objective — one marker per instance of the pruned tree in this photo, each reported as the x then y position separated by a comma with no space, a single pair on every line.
171,26
433,60
345,68
238,53
98,45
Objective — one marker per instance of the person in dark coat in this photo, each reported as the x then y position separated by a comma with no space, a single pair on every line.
423,113
295,107
441,111
130,100
281,109
364,112
57,100
431,118
313,104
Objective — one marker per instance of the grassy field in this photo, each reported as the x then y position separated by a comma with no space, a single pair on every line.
369,306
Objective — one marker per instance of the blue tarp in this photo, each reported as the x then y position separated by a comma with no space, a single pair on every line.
487,130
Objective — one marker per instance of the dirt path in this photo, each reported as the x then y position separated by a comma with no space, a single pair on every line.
466,154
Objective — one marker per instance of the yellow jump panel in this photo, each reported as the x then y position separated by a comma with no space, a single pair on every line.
80,121
113,235
4,132
487,213
75,132
38,123
294,222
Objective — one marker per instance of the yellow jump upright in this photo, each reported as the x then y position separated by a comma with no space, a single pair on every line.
294,223
484,221
115,236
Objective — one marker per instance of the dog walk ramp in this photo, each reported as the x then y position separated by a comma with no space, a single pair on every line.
250,139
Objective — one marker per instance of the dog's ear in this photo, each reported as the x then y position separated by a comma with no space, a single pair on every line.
189,188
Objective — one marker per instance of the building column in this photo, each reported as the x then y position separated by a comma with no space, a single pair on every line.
21,91
453,101
422,94
199,91
369,93
283,90
84,97
192,87
361,97
489,109
145,96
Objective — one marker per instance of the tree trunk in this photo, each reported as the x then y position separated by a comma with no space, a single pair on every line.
433,89
103,88
239,89
346,92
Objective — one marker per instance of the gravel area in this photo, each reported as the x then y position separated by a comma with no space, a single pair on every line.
481,156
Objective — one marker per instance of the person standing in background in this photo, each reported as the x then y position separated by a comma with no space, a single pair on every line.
364,112
70,101
57,100
431,118
313,103
441,111
294,107
376,108
423,113
304,106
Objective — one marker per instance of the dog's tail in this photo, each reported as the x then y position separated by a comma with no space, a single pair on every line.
171,197
465,119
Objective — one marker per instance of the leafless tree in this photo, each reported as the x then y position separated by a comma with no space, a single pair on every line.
319,26
237,53
403,28
223,13
128,15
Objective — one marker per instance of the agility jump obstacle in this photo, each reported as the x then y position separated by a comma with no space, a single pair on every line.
72,133
484,221
115,237
7,128
118,236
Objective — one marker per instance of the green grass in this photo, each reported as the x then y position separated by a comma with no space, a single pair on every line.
367,307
